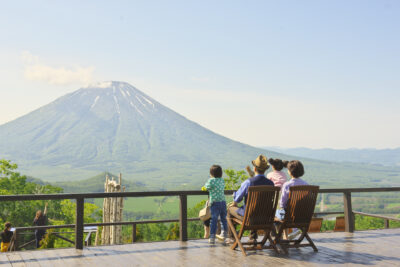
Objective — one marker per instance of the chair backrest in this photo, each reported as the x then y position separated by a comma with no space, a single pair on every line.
301,204
339,224
261,205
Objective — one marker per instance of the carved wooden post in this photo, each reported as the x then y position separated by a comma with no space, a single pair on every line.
183,218
348,213
96,239
15,238
79,223
113,210
105,230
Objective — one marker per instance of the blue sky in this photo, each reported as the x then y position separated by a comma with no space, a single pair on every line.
267,73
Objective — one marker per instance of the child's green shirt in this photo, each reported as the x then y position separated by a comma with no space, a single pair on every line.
216,188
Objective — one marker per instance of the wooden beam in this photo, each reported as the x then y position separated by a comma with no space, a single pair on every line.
79,223
348,213
63,238
387,224
183,218
168,193
133,232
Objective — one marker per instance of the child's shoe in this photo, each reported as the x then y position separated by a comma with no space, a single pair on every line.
211,240
222,237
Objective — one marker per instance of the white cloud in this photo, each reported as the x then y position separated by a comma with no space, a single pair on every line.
35,70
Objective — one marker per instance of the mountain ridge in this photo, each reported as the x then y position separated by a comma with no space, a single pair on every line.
386,157
114,127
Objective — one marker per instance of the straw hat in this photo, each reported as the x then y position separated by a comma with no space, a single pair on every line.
261,162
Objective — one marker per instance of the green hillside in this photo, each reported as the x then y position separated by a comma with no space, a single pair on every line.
96,184
386,157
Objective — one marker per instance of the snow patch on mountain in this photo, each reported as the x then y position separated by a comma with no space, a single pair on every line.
95,101
148,101
138,110
117,104
122,92
143,104
100,85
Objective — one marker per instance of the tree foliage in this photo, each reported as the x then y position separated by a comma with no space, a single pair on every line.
22,213
234,179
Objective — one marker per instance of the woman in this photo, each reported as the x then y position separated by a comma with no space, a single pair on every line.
40,220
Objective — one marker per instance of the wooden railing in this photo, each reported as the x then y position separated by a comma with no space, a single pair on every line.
80,198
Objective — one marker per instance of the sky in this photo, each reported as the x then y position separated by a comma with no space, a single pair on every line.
311,74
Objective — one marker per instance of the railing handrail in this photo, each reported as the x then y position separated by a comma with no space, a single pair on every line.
44,227
169,193
377,216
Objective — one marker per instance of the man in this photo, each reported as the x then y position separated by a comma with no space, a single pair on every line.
260,165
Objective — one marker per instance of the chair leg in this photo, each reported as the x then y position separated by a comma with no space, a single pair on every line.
300,239
278,239
272,243
233,230
266,235
311,242
237,242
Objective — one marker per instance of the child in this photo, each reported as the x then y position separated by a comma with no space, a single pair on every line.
276,176
6,236
295,170
216,185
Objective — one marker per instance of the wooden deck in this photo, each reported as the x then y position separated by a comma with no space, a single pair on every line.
375,247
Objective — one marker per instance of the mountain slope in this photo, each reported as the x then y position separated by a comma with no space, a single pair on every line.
96,184
114,127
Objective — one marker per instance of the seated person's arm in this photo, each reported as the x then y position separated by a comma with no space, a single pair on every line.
284,197
242,191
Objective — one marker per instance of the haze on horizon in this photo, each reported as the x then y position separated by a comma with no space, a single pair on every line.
290,74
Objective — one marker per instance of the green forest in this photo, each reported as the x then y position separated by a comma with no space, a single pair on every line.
21,213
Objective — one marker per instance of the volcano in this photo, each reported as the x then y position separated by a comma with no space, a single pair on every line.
113,126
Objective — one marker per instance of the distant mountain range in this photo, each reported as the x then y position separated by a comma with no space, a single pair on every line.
387,157
114,127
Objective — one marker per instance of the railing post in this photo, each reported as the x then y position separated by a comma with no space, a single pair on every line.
133,232
15,239
348,213
183,218
79,223
387,225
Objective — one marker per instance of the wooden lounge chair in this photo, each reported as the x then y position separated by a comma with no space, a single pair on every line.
339,224
259,215
315,225
299,212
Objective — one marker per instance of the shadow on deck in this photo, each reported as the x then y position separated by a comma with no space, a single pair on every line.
375,247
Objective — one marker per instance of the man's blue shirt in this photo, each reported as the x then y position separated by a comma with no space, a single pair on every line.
242,192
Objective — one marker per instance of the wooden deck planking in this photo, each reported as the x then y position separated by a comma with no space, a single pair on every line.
376,247
4,260
28,259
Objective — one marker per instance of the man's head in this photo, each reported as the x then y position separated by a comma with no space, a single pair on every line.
260,164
